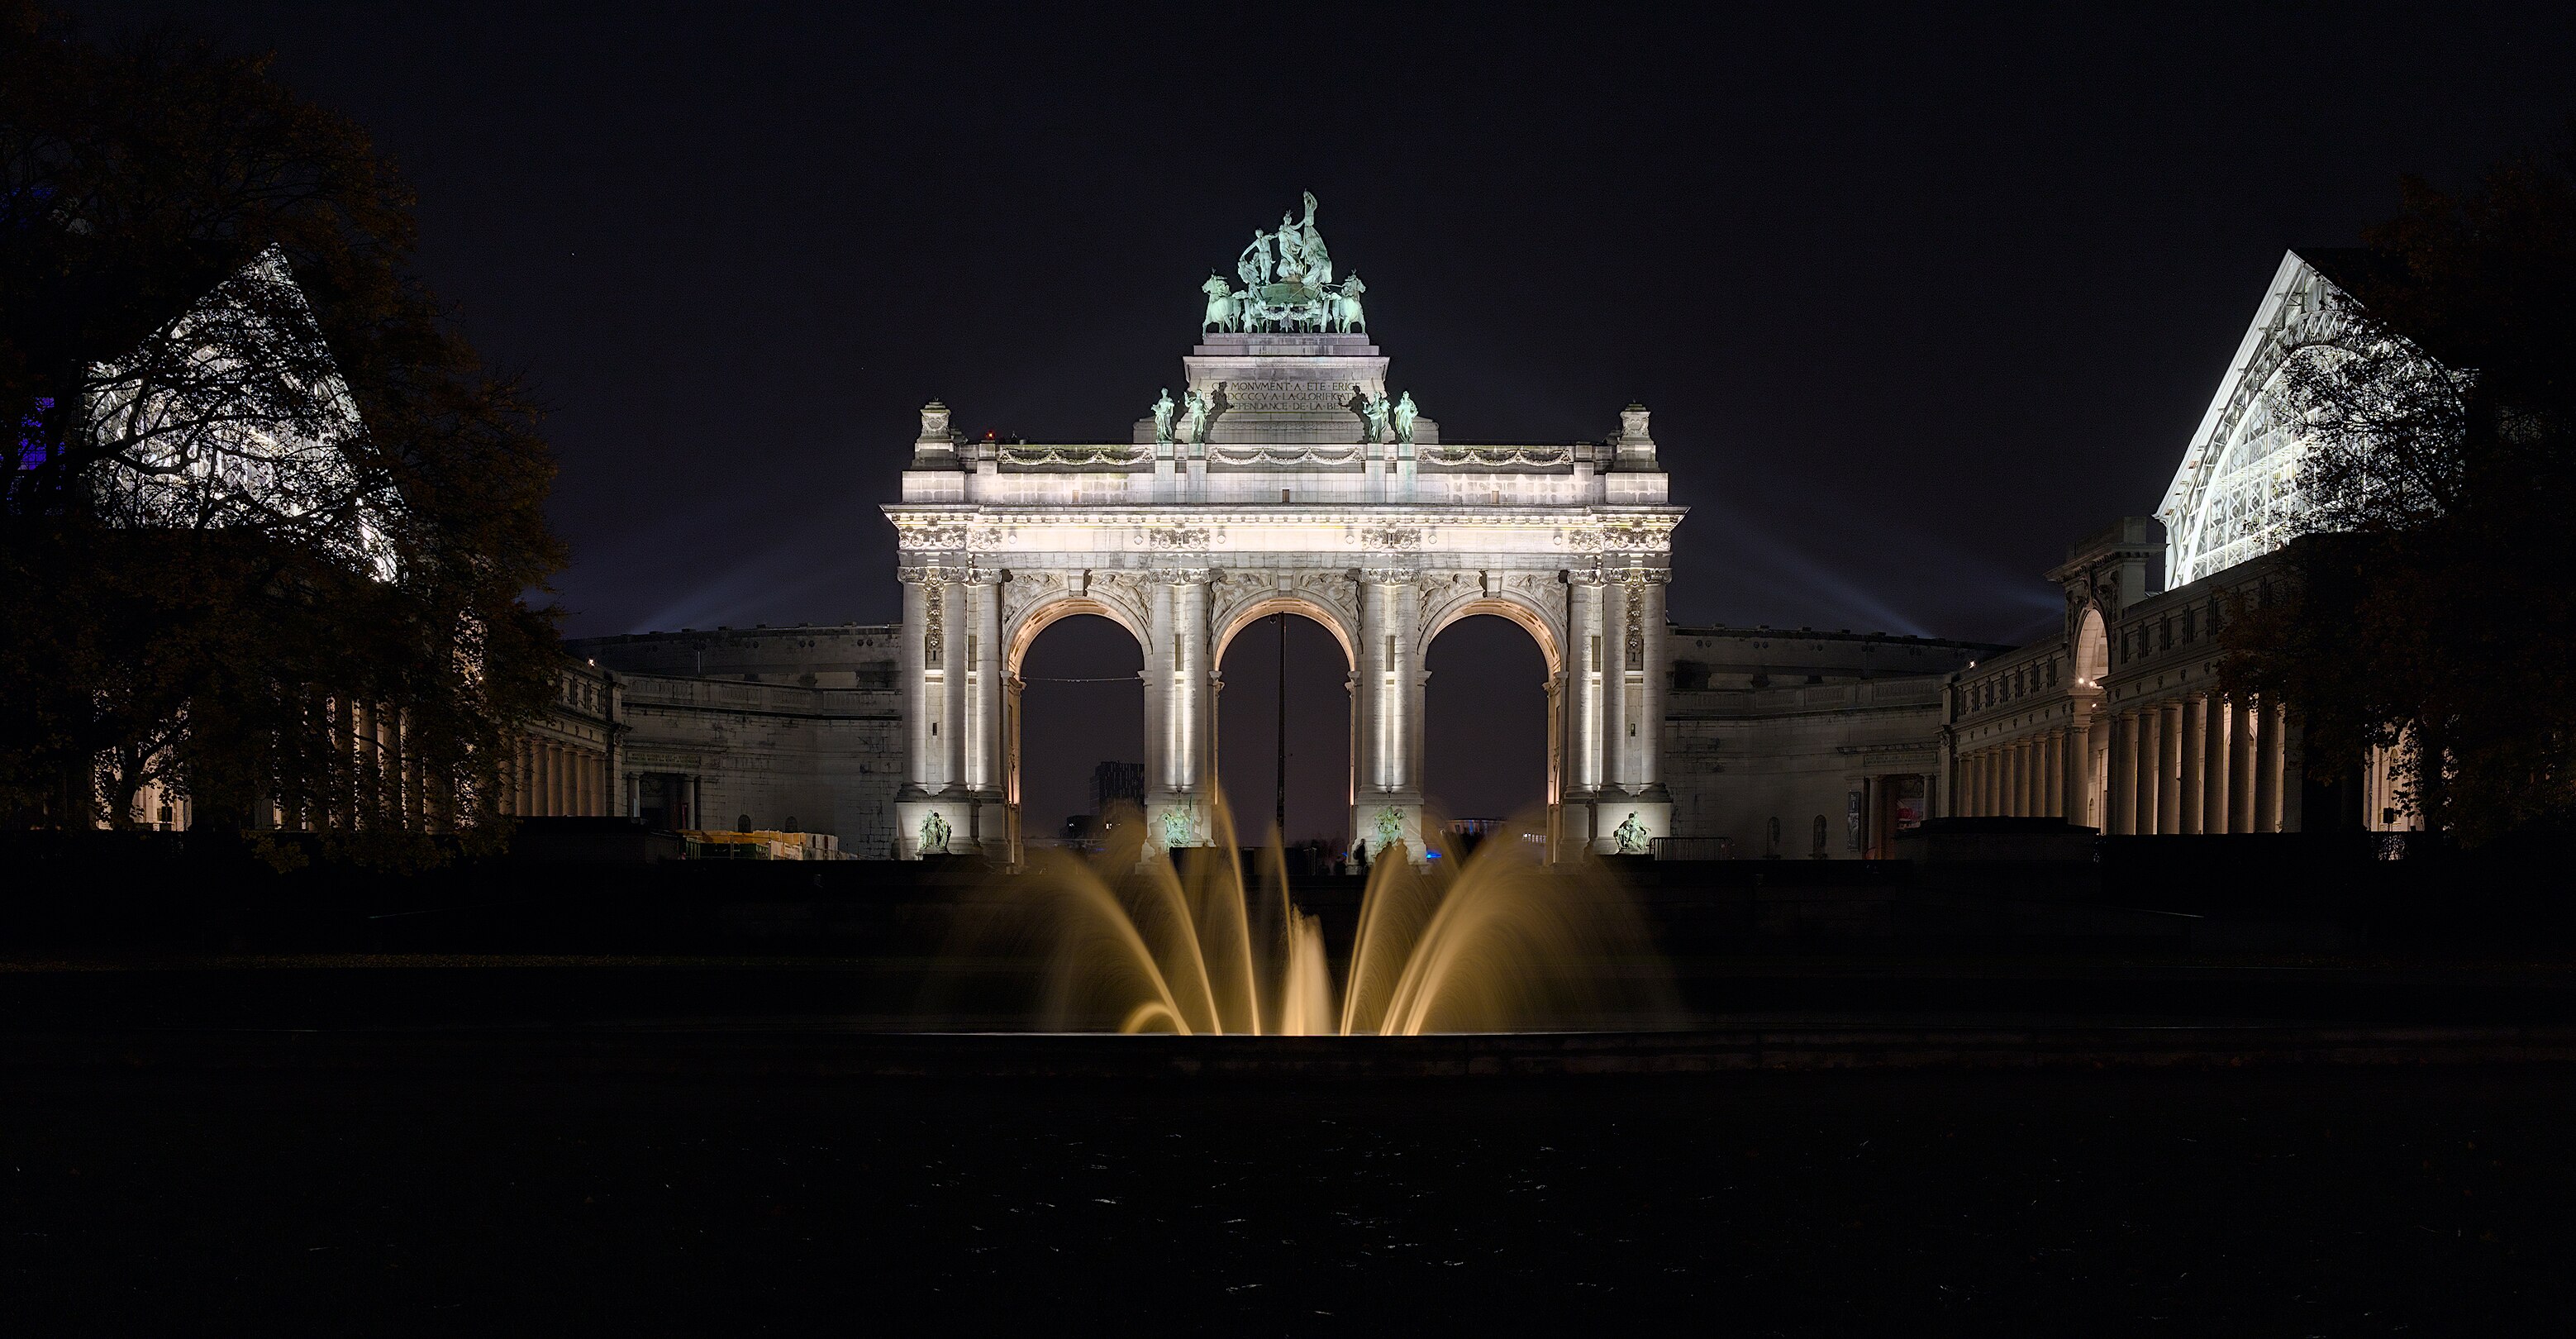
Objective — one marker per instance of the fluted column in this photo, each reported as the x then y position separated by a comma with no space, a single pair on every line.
957,627
1384,667
1650,730
987,658
2070,775
2123,774
2213,762
2240,763
2267,766
2195,736
2052,775
1585,668
2169,720
2143,766
1614,685
914,658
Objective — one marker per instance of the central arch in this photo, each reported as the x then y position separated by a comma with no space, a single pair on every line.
1235,713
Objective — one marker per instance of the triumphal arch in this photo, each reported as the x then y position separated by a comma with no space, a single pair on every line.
1282,478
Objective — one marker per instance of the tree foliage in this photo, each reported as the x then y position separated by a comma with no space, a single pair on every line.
260,483
2425,614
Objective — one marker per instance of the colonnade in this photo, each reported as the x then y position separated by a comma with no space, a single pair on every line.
2043,775
547,780
2206,763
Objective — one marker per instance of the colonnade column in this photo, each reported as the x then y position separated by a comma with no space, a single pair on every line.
2123,779
2052,803
2195,733
2169,722
2265,742
2070,774
2268,743
2213,765
2240,764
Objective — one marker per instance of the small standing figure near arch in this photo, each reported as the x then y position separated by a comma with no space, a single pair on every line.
934,834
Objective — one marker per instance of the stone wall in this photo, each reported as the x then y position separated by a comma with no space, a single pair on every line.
793,728
1784,727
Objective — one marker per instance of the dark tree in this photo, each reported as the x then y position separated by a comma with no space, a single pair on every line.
262,492
2427,612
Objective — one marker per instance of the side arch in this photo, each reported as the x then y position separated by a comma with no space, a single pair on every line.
1037,618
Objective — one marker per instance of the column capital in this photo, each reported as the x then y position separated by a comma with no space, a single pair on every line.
927,573
1185,576
1583,576
1387,576
986,576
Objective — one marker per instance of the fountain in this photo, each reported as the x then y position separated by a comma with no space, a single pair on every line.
1484,940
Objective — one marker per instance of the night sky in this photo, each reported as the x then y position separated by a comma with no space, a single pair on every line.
1916,297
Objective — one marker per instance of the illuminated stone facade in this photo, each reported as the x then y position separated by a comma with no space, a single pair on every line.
1291,496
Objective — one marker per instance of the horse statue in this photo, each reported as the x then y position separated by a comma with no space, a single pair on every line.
1224,312
1346,313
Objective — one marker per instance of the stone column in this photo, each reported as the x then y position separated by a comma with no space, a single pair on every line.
2213,766
1391,690
2123,774
2195,736
1615,773
2267,766
2052,775
2096,786
1649,771
913,654
952,684
2169,719
1586,671
2143,785
2073,761
987,657
2240,764
1192,679
2026,773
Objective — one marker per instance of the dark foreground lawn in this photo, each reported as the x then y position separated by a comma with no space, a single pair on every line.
2285,1202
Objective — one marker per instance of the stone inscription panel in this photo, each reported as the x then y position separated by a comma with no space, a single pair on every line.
1290,396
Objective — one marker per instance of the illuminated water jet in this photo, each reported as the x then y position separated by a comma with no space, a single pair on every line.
1481,940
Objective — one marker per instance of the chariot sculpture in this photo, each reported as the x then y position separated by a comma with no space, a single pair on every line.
1288,287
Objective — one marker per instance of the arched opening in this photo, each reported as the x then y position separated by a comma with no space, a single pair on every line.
1078,720
1485,751
2091,656
1284,648
2092,650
